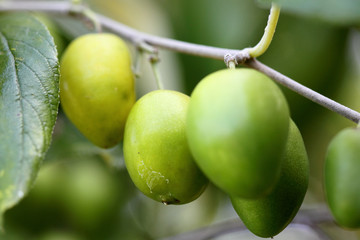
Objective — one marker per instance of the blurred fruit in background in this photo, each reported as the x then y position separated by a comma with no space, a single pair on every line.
73,192
161,221
323,127
60,235
83,192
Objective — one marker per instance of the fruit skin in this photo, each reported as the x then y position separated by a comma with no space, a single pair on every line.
156,151
97,87
268,216
342,179
237,126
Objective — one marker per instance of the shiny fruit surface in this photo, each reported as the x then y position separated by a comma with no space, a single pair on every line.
97,87
156,151
342,178
268,216
237,125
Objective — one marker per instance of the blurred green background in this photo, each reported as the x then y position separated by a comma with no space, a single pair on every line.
83,192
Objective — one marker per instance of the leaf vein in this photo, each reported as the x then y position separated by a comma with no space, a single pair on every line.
39,119
17,83
36,50
35,30
39,80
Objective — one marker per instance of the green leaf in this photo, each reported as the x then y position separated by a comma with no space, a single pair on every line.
29,99
341,12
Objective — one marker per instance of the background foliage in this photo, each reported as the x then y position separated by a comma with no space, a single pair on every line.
83,192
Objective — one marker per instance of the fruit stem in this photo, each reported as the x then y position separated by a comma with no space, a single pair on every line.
77,8
93,19
230,61
232,65
145,47
137,66
266,39
154,60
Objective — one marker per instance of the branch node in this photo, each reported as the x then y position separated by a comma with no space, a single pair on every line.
230,60
143,46
153,57
239,58
243,56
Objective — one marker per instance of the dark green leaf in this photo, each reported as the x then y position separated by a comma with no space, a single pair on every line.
343,12
29,99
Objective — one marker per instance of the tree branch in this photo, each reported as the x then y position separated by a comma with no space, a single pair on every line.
136,37
311,217
305,91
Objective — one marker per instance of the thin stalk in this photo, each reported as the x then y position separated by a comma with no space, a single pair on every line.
137,63
93,19
157,74
269,32
153,59
232,65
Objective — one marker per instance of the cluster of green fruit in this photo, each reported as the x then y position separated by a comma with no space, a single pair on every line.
235,130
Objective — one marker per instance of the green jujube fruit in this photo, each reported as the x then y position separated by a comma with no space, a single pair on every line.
268,216
342,178
156,151
97,87
237,125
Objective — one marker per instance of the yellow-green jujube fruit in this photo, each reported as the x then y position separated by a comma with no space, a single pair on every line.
97,86
237,126
342,178
268,216
156,151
